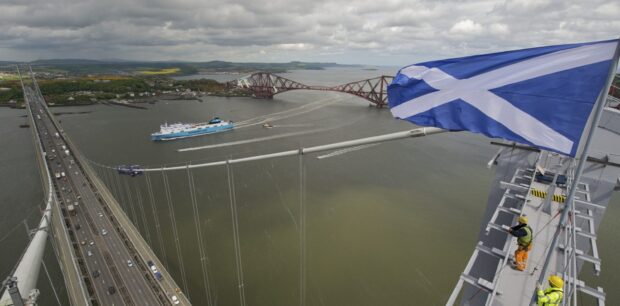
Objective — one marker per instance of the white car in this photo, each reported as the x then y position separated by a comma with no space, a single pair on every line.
91,243
90,253
104,232
100,215
129,263
175,300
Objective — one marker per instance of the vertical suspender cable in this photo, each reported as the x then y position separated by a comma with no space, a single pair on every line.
302,232
201,247
130,203
113,189
55,251
106,180
51,283
143,215
109,174
121,198
113,182
160,239
175,232
235,225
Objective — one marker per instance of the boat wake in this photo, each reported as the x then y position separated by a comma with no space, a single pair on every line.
300,110
292,125
260,139
240,142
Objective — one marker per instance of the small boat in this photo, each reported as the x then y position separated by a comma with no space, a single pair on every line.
184,130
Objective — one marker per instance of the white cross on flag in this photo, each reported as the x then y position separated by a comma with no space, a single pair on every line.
539,96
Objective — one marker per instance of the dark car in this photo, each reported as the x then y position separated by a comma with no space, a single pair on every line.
111,290
96,273
77,226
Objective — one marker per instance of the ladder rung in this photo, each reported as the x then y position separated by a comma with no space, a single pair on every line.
589,204
510,210
581,255
473,281
485,283
590,259
581,232
501,228
587,235
491,251
581,286
506,185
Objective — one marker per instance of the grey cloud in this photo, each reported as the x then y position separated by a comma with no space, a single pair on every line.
388,32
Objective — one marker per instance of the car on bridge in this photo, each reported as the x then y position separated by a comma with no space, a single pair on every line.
154,270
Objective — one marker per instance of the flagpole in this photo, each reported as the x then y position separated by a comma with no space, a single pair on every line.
600,105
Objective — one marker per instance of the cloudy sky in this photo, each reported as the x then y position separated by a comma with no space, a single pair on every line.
374,32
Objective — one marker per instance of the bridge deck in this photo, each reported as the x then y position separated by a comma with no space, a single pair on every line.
100,258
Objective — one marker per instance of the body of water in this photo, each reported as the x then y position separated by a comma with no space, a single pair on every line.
390,224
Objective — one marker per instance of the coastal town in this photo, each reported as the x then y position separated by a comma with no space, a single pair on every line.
120,90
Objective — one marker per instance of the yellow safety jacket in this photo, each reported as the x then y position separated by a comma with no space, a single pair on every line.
550,297
527,239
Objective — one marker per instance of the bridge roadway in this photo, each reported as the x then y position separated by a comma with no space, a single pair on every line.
104,259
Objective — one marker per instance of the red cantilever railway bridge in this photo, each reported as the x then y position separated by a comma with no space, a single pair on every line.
266,85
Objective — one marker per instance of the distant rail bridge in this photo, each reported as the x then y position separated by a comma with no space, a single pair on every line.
266,85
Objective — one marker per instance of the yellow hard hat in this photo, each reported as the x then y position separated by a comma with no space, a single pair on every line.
523,219
556,281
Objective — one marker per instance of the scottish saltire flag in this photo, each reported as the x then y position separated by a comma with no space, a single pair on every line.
540,96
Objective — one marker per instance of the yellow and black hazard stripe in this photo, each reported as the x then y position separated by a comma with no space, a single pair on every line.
539,193
560,198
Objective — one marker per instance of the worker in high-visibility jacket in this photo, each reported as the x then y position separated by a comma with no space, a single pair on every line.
523,232
552,296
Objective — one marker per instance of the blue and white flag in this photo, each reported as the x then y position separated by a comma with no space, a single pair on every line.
540,96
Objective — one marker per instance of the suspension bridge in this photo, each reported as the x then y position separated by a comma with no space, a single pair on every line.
104,259
87,198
